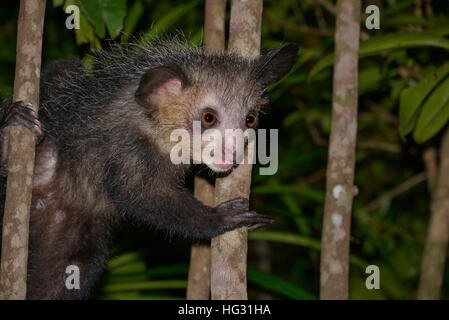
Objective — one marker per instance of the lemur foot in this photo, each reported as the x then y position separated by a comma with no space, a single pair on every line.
237,215
17,113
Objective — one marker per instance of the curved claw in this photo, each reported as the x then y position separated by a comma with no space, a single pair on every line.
235,214
254,220
17,113
20,113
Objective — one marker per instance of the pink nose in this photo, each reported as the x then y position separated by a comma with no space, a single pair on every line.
223,162
223,165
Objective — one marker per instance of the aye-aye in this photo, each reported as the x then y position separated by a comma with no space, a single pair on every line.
103,150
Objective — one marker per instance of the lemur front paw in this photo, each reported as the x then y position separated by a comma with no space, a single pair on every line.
236,214
17,113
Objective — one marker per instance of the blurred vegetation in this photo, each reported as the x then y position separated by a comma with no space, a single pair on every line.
403,105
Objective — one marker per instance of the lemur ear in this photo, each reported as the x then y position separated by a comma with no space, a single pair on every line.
275,64
158,84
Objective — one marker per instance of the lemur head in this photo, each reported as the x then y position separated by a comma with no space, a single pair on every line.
211,91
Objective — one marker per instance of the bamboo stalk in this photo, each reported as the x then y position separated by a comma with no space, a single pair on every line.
229,251
21,157
341,159
198,287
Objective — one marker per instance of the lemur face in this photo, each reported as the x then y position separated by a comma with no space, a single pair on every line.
221,96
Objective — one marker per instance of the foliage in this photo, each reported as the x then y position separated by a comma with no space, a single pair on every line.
403,88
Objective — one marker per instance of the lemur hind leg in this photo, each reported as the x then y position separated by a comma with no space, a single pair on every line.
67,253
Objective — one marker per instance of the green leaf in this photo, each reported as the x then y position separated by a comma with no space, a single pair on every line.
166,270
369,79
302,190
285,237
129,269
405,19
125,258
397,87
198,38
58,3
105,12
94,12
440,29
138,296
411,99
85,34
114,14
132,18
396,7
378,44
292,119
293,161
146,285
434,114
278,285
291,238
169,19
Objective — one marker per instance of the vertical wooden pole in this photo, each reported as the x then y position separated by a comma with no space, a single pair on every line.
21,158
198,287
341,158
229,251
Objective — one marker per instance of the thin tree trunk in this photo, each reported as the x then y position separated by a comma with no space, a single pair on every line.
435,250
198,287
229,251
214,25
431,163
21,158
341,159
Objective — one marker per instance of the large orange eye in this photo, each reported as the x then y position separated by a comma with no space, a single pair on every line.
251,119
208,118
